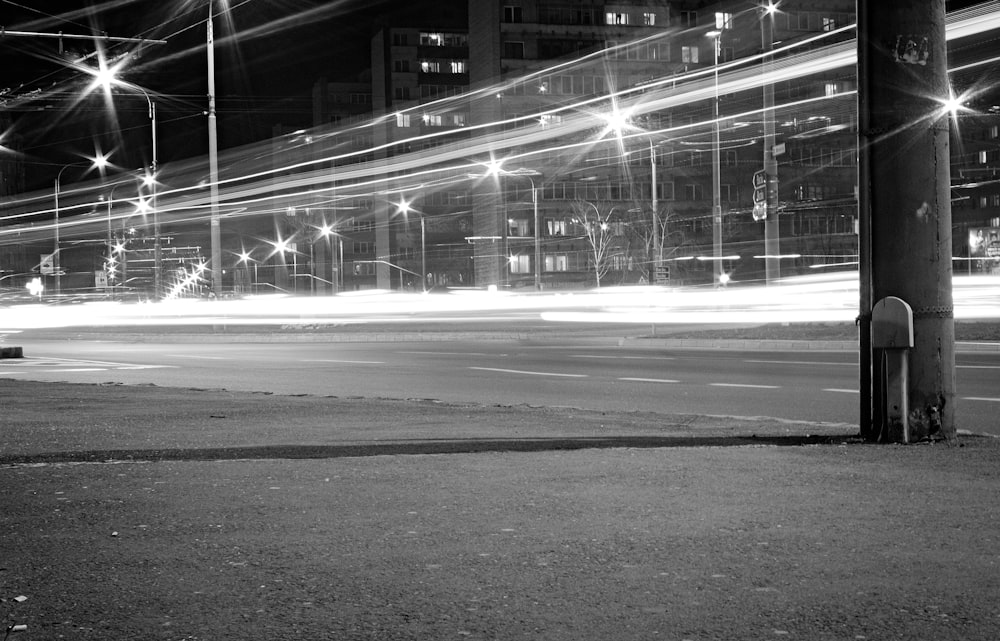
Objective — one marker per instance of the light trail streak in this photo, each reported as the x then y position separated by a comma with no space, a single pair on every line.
825,298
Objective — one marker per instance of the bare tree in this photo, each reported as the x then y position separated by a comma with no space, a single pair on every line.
601,227
665,244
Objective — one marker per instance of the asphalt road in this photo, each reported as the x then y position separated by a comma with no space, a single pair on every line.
588,372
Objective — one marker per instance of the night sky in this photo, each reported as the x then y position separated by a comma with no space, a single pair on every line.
269,53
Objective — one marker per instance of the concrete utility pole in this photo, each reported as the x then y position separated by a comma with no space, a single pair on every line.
905,208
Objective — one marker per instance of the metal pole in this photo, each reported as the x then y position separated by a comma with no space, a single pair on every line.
157,242
657,247
538,238
423,254
55,251
213,163
772,248
716,177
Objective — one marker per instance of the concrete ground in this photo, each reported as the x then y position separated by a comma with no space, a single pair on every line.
153,513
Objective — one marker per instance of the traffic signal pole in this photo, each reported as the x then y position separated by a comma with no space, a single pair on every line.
772,243
905,209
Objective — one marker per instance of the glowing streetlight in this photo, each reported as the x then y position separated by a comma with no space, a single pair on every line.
403,207
495,168
98,162
106,77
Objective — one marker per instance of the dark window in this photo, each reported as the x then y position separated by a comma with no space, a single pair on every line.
512,14
513,50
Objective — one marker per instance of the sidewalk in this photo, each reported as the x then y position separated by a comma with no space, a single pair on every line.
155,513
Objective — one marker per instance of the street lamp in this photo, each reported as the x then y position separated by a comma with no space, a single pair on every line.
403,207
529,173
99,162
716,36
772,264
106,77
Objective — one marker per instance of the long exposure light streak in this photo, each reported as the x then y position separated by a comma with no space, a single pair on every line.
256,189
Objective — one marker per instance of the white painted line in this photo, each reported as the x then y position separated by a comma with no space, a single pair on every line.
147,367
518,371
624,358
78,369
842,391
204,358
330,360
451,353
801,362
977,367
981,398
648,380
745,385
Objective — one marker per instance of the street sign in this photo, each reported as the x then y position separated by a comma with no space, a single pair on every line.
759,179
101,279
759,211
661,275
47,264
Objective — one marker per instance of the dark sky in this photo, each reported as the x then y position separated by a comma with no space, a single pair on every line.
269,53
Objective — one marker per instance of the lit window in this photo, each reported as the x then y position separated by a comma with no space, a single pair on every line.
457,66
518,227
430,66
556,263
689,54
557,227
830,89
402,120
520,264
432,39
723,20
616,17
649,19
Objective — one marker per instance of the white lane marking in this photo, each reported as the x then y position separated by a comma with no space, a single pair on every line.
624,358
451,353
147,367
78,369
842,391
801,362
204,358
518,371
648,380
981,398
331,360
745,385
977,366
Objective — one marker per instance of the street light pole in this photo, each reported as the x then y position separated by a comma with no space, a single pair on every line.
538,238
772,249
657,248
716,171
423,253
99,162
213,162
55,249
